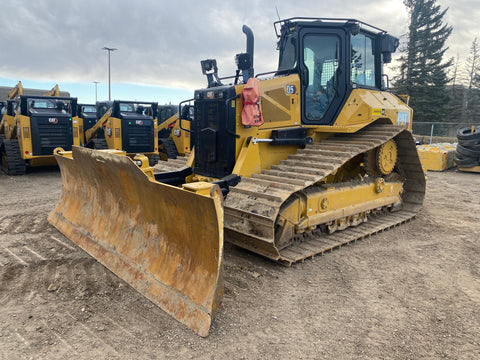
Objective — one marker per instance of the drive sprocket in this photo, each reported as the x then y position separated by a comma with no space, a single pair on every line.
387,157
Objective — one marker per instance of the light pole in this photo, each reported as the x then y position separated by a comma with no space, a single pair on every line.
96,83
109,81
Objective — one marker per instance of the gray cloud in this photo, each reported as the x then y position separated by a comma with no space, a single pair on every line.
162,42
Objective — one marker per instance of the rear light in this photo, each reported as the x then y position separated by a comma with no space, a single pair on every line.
26,132
26,152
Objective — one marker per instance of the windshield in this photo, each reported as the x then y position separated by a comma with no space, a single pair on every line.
89,109
127,107
41,104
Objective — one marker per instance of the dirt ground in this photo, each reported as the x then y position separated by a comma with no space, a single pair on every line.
412,292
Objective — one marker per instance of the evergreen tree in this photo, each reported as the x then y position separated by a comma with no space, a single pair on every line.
457,94
423,74
473,66
472,101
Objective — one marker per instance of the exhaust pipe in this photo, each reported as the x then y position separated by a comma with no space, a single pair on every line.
245,60
249,33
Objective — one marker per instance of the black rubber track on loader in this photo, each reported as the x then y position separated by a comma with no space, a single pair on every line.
12,162
169,148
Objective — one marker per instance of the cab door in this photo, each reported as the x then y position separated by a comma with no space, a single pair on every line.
323,74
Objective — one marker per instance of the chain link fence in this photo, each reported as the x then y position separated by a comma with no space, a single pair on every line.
428,132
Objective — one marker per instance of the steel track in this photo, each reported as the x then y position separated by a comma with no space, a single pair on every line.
252,207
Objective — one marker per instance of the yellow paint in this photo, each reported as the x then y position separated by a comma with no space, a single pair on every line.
145,240
8,125
248,161
16,91
282,110
200,188
335,202
180,137
25,143
475,169
366,106
77,129
438,157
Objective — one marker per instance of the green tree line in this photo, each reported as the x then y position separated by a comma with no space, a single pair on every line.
440,90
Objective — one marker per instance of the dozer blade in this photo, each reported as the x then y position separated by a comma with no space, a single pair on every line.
164,241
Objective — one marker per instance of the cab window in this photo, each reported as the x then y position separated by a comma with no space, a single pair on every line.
102,110
288,54
165,114
89,109
126,107
363,60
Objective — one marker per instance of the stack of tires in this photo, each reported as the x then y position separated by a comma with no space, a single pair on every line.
468,149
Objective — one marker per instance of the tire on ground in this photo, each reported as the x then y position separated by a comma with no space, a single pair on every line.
472,144
465,151
465,161
467,134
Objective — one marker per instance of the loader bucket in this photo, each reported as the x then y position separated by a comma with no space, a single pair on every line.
166,242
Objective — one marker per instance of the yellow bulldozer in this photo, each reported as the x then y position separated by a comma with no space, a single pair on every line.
287,164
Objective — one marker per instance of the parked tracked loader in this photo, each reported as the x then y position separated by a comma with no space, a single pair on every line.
34,127
87,116
309,157
131,126
172,140
7,116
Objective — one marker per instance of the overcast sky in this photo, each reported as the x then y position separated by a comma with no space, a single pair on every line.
160,43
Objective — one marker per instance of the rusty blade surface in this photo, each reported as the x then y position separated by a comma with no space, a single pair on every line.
165,242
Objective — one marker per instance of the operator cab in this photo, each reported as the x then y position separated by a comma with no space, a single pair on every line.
332,57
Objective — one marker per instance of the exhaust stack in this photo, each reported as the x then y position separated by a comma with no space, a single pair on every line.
245,60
